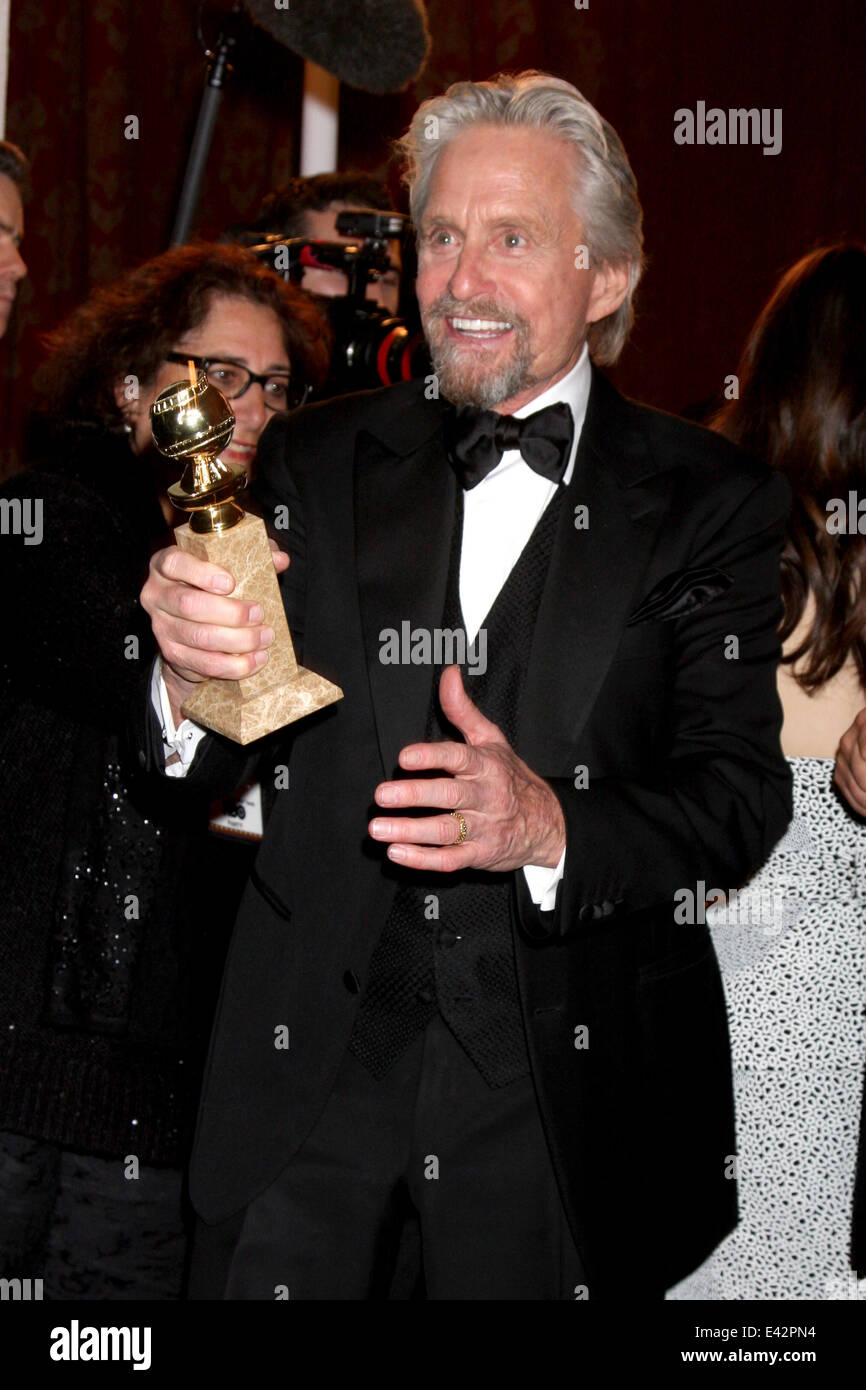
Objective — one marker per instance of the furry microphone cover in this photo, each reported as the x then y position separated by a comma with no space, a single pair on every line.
377,45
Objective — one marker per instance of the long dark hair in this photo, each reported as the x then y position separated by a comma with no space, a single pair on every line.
129,325
802,408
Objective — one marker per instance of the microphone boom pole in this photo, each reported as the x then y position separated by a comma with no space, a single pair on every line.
376,45
215,81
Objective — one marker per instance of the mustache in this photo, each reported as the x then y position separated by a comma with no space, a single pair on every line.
446,306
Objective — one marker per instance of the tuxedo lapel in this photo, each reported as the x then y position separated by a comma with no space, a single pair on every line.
594,573
404,517
405,497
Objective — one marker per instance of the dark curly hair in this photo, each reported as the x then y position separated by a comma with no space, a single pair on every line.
128,326
802,408
284,210
14,164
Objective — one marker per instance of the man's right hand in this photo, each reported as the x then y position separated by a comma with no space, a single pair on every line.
200,630
850,771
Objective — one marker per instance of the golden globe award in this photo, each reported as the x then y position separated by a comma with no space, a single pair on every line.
192,421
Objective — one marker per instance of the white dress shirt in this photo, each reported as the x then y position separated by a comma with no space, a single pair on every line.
499,515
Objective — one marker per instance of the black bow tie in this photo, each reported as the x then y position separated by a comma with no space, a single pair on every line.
477,439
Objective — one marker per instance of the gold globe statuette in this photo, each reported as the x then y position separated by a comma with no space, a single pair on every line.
193,422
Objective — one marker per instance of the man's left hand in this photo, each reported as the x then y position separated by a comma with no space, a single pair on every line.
512,817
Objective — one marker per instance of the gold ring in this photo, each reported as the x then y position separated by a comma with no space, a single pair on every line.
464,829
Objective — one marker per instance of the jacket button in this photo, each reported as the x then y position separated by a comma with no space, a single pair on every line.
446,937
425,996
352,983
586,913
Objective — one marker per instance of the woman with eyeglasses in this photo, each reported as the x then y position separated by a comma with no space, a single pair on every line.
261,342
106,987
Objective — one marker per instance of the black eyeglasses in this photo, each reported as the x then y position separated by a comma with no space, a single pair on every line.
233,380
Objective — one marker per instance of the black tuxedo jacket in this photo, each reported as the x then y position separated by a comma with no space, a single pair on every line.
652,667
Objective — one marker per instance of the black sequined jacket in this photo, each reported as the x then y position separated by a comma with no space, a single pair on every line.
102,1014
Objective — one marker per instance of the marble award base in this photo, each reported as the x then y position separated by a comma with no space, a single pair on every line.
282,691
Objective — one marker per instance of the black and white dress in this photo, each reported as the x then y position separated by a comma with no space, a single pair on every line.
792,952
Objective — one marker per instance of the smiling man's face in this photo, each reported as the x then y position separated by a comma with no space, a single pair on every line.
504,308
12,267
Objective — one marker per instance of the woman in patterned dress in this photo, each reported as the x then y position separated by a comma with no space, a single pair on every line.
792,942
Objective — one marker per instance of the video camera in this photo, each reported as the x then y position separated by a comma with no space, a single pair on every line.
372,346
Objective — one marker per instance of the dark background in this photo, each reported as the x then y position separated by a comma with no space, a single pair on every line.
721,222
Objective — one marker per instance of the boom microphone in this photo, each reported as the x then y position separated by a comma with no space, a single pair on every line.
377,45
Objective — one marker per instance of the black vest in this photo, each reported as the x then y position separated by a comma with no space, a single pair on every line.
447,943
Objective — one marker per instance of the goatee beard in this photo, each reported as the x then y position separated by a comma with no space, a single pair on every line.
464,381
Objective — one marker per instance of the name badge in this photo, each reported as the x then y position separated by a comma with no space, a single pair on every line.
240,816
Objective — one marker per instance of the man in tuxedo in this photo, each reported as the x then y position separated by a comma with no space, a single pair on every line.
463,989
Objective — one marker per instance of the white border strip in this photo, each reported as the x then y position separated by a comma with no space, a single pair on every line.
4,61
319,120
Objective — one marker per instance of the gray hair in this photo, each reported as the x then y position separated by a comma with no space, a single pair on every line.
605,196
13,163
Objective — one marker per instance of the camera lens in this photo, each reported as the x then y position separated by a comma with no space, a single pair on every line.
374,348
384,351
